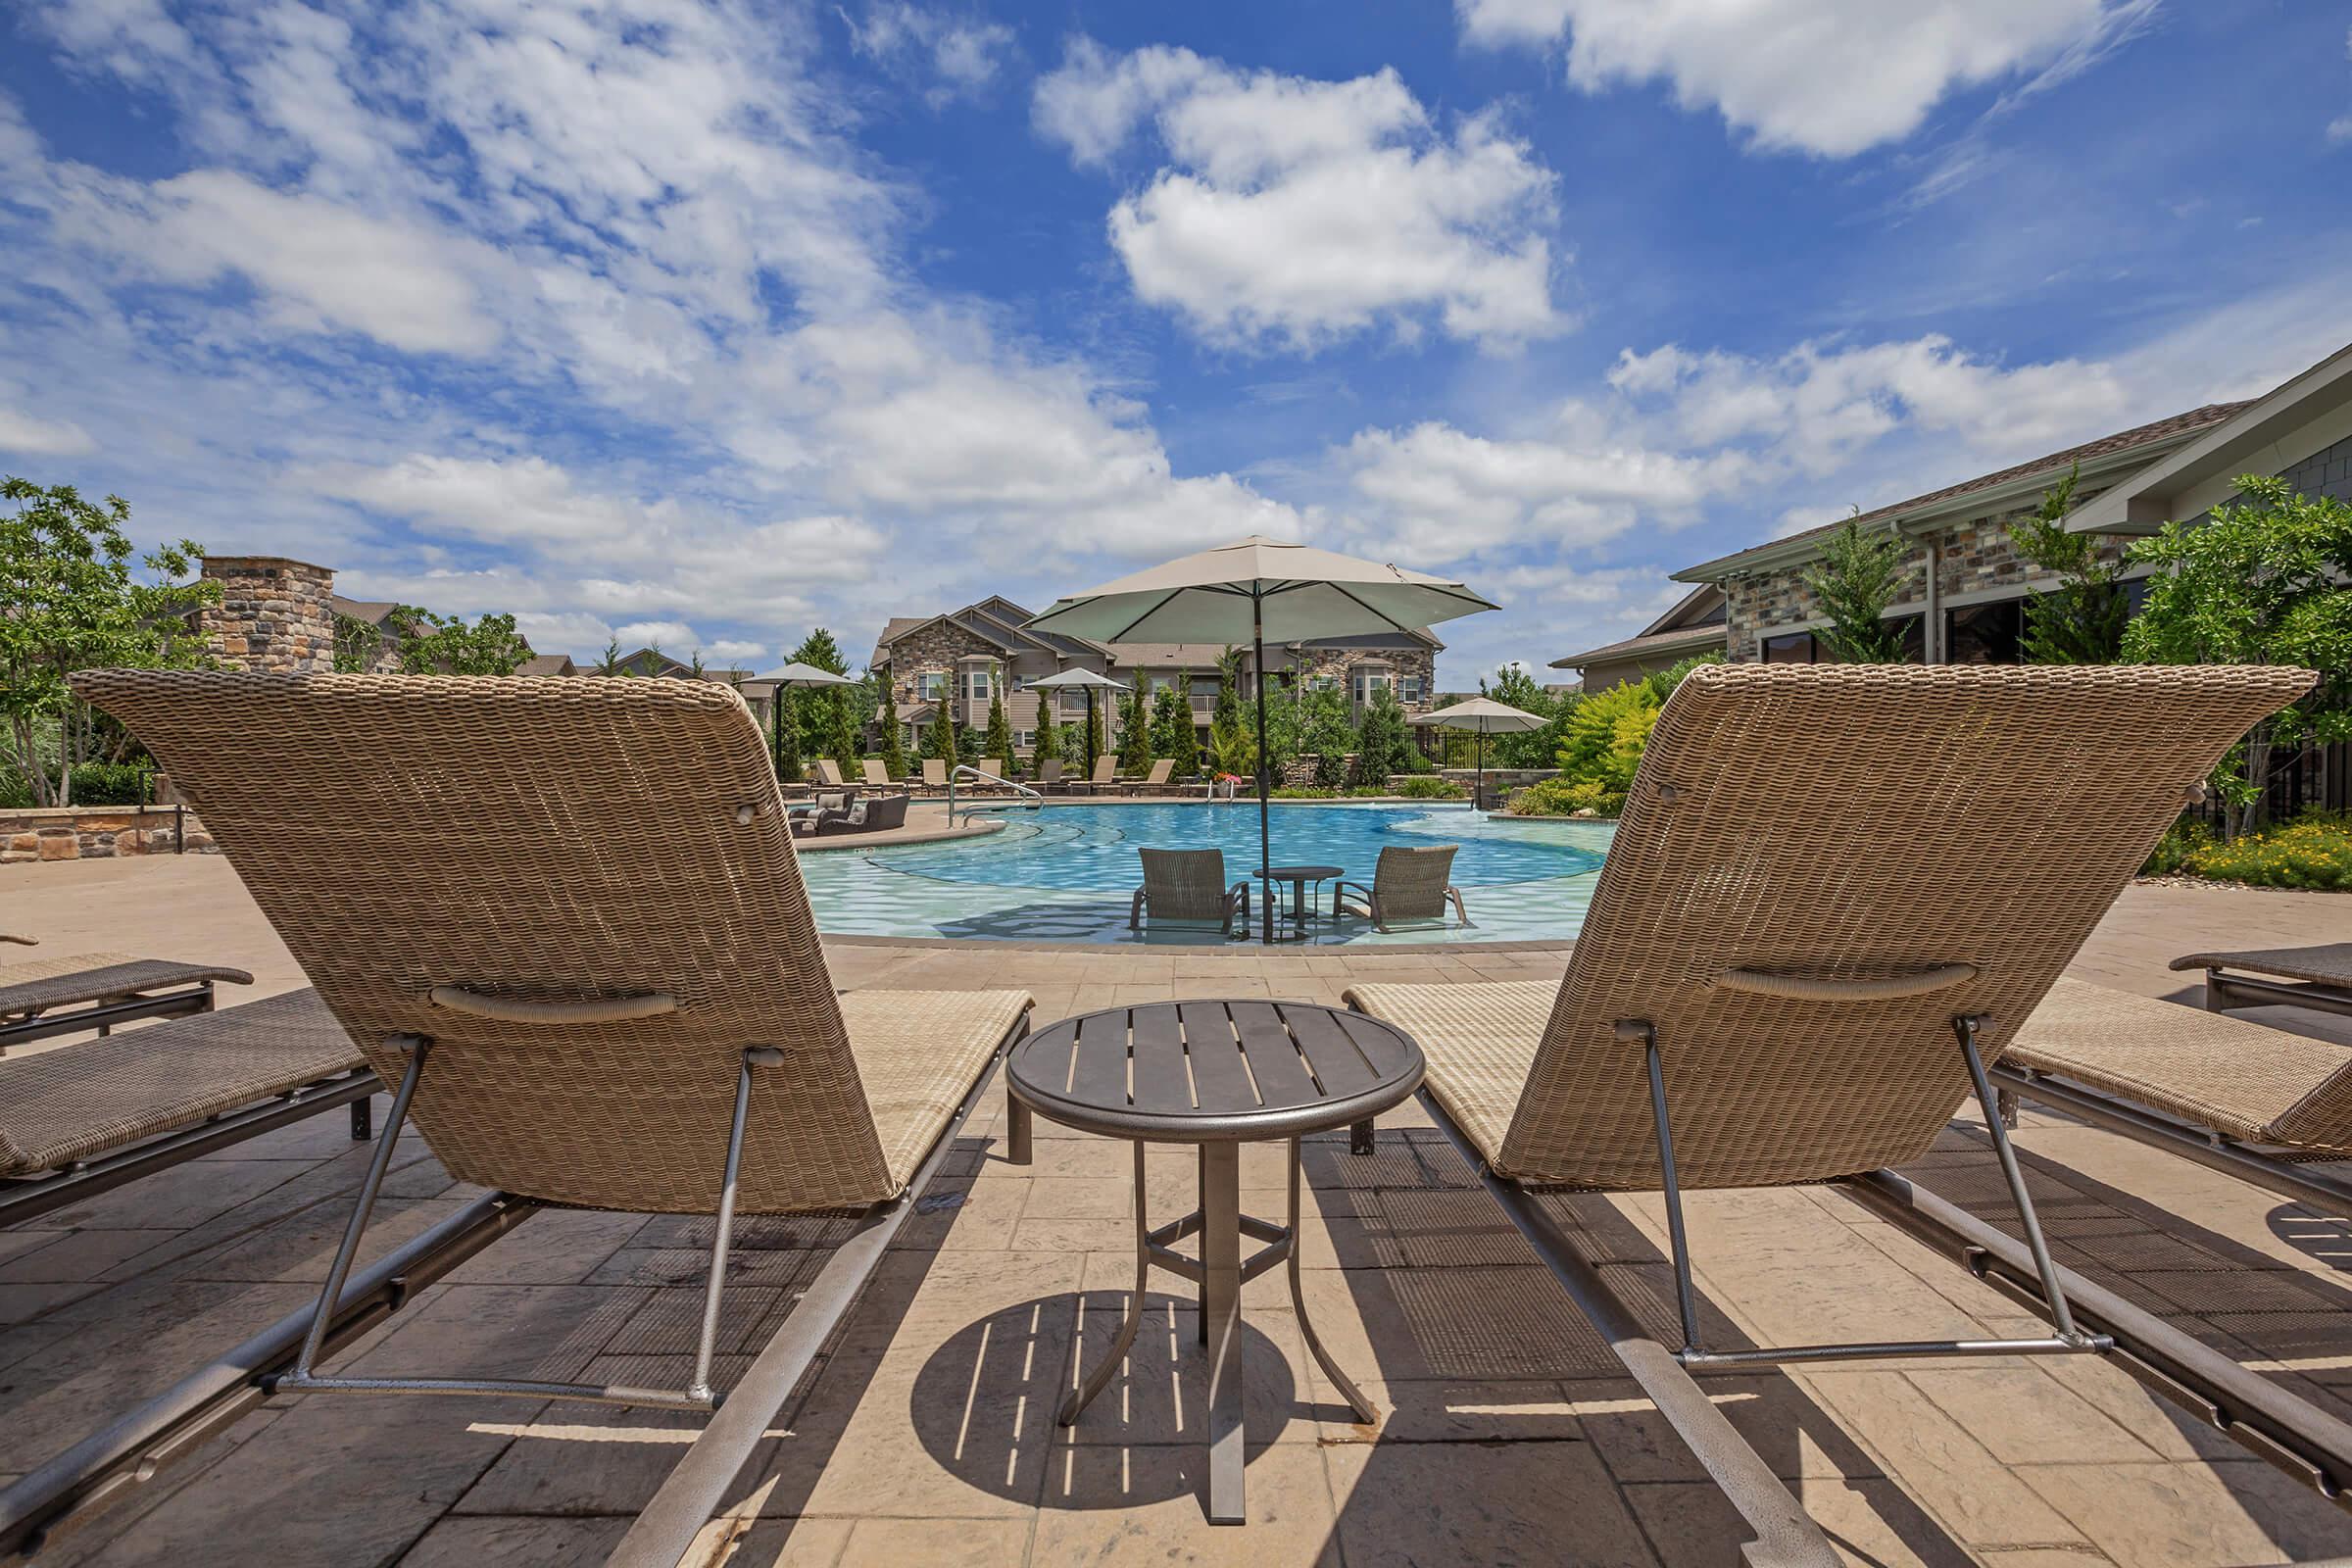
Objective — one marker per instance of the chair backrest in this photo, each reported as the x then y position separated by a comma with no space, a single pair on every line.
1411,881
538,842
990,767
1107,767
828,771
875,772
1184,884
935,772
1819,868
1049,771
1160,770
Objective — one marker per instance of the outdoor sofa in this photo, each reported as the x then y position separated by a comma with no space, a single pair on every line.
566,919
1835,893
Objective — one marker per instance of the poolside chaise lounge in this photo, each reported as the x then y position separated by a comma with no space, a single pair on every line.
43,998
2318,977
566,920
1154,781
828,773
1410,884
2261,1104
84,1117
1833,895
992,773
934,773
877,776
1189,885
1049,773
1104,777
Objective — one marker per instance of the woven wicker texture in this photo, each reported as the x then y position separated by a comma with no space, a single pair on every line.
1480,1040
46,983
1846,823
555,840
2255,1084
1186,885
83,1100
2329,965
917,1052
1410,882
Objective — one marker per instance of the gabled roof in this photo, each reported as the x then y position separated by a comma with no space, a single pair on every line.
548,664
980,626
1693,622
371,611
2143,442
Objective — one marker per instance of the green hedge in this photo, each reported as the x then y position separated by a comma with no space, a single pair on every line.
2313,852
1565,797
94,784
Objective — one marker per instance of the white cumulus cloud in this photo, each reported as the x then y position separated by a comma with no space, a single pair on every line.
1297,211
1826,77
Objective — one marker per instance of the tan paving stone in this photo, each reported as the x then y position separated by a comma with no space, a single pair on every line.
785,1543
972,1542
2195,1516
1870,1523
1125,1503
460,1542
2030,1417
1787,1429
1513,1502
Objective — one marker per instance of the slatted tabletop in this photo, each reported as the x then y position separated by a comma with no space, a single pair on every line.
1214,1071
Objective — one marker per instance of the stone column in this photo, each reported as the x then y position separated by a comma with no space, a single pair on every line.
274,614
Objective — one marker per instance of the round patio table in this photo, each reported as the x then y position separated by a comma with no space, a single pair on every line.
1217,1074
1301,906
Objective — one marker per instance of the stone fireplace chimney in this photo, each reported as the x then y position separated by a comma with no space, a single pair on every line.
272,616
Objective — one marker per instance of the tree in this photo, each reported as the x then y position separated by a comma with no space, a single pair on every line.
1856,578
2261,583
819,709
1380,742
1514,687
847,741
1097,715
70,600
610,665
894,749
1172,733
2081,621
1324,729
786,729
1135,731
1232,725
437,645
997,740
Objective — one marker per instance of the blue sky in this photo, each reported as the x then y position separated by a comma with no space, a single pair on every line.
708,324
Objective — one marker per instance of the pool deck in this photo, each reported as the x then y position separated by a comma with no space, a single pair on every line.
925,1437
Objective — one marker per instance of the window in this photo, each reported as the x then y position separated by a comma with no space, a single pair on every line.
975,684
931,685
1161,683
1984,634
1791,648
1323,683
1023,739
1408,689
1913,629
1369,684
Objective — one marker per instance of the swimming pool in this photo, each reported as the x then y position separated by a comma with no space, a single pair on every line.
1065,873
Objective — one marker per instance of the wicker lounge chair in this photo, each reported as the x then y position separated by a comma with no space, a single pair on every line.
2259,1103
2318,977
1105,776
1409,885
1820,914
43,998
82,1119
1189,885
566,919
1154,781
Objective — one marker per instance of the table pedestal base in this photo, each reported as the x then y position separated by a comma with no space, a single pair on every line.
1220,1271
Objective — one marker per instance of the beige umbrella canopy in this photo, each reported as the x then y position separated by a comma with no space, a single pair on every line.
794,674
1085,680
1484,716
1255,589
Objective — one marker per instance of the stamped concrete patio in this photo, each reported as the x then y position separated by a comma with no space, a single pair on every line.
926,1434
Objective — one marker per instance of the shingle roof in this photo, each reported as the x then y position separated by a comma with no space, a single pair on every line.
1656,642
2158,432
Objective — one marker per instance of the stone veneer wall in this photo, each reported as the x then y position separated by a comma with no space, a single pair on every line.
274,614
1339,665
97,833
1976,555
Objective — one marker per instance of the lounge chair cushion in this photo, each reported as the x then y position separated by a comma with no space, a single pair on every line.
917,1052
1480,1040
83,1100
2255,1084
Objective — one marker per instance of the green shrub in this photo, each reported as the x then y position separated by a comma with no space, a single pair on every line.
110,784
2181,840
1565,797
2313,852
1429,787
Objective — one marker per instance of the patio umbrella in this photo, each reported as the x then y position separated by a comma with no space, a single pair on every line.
1260,588
795,674
1088,681
1483,717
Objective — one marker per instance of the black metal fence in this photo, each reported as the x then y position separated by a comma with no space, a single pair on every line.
2317,779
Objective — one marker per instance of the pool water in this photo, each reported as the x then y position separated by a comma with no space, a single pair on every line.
1066,872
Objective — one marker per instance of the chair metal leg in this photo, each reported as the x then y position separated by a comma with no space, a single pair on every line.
416,1048
1686,1302
1100,1378
363,1118
2052,1291
1221,1321
723,1234
1359,1138
1307,1327
1019,1130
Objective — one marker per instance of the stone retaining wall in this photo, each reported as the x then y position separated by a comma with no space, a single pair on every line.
98,833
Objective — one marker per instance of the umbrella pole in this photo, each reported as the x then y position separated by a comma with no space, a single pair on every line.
1265,826
1478,790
